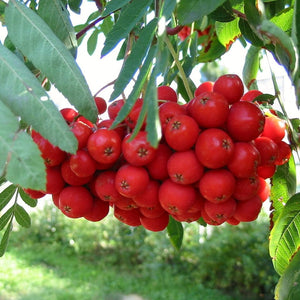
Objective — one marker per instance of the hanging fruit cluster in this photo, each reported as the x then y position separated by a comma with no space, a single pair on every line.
213,161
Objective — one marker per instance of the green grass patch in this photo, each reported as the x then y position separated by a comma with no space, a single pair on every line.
29,273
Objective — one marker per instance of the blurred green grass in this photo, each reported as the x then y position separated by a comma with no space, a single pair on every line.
46,275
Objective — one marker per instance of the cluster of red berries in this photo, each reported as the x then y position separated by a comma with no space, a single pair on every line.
212,162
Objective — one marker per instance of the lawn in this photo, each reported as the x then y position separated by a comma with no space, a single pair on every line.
28,273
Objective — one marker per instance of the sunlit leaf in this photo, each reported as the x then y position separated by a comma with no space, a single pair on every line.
175,233
284,237
47,52
127,20
288,287
283,187
228,32
284,20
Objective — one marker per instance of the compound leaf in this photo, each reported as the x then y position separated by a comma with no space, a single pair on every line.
23,94
134,60
46,51
284,237
20,157
132,13
288,287
283,187
56,16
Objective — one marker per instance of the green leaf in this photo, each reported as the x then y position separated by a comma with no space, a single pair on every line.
192,10
212,51
249,34
296,24
168,8
4,240
284,20
6,195
2,180
133,12
25,97
19,155
135,59
46,51
27,199
137,88
6,217
25,167
251,66
114,5
106,25
223,13
288,287
253,13
2,9
75,5
22,217
92,42
56,16
284,237
153,126
228,32
285,49
283,186
175,233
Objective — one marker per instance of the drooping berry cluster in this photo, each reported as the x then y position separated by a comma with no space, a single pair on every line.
213,160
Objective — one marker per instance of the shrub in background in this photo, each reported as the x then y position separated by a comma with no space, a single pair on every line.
234,259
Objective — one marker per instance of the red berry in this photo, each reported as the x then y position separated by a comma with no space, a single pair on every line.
209,109
184,167
217,185
98,211
101,105
166,93
131,180
230,86
75,201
